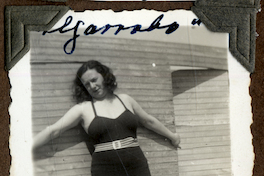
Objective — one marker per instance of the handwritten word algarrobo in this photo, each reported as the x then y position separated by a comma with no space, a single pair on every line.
92,29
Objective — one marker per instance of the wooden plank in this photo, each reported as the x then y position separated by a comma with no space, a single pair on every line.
46,94
160,166
224,114
120,79
51,66
141,130
201,52
138,46
199,82
164,159
183,60
60,142
119,51
183,75
206,144
72,68
69,150
117,72
52,106
67,166
52,93
204,150
52,100
43,104
207,172
201,106
68,93
72,152
45,112
50,79
202,111
209,122
205,133
133,42
148,46
68,172
205,167
38,127
202,89
160,154
204,162
165,171
208,155
202,122
154,147
56,114
194,83
180,60
67,96
41,123
112,65
201,76
48,114
205,139
200,117
190,138
62,86
202,100
64,159
186,129
205,156
200,95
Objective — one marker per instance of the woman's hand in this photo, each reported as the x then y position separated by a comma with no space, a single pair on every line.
152,123
175,140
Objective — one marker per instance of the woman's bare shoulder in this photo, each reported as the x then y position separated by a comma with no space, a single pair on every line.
125,97
85,104
86,109
81,106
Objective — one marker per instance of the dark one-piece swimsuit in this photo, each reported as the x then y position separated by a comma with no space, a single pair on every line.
128,161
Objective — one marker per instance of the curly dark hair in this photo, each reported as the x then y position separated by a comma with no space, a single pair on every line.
80,92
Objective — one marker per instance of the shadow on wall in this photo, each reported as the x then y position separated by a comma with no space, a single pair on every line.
156,138
66,140
184,80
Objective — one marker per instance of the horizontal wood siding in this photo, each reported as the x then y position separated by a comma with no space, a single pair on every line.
132,62
202,119
131,53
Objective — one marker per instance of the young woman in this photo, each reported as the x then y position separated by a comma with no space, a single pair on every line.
110,120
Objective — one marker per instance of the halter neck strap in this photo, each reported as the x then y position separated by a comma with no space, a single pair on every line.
121,101
95,113
94,108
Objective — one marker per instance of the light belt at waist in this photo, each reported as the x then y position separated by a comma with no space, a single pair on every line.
118,144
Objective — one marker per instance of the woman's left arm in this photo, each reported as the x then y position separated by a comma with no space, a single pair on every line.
154,124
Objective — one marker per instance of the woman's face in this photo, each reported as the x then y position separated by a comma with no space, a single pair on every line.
94,83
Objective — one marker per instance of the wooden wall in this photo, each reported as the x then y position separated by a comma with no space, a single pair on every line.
132,63
201,99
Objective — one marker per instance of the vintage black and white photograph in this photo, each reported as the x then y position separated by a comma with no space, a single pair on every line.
135,93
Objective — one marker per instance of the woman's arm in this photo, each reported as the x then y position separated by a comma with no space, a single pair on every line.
154,124
69,120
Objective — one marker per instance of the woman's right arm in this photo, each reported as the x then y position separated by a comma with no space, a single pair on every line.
69,120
